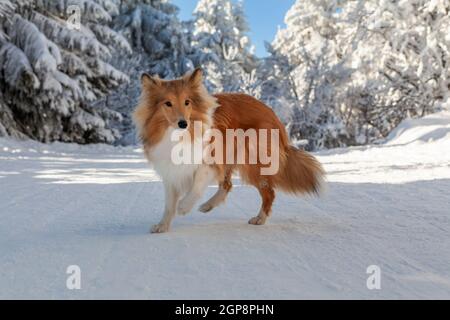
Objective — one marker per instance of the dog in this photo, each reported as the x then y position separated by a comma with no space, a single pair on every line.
170,107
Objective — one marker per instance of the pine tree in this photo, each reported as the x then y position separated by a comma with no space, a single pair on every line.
224,49
274,86
400,64
355,69
160,44
308,54
52,70
416,59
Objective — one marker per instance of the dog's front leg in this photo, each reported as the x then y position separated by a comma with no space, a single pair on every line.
172,196
203,176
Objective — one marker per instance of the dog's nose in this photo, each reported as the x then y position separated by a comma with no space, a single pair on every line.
182,124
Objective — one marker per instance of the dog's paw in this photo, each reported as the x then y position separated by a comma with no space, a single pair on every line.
159,228
257,221
185,206
206,207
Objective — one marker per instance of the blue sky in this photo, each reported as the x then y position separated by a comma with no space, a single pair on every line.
264,17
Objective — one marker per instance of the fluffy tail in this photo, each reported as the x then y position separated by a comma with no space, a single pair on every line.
300,173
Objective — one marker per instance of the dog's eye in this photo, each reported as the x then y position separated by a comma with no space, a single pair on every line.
187,103
168,104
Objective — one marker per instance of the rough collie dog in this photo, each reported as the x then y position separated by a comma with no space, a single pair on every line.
168,107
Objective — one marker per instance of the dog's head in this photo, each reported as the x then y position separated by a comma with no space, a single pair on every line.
172,103
177,103
175,99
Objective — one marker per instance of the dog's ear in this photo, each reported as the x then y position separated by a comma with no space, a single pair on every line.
195,78
150,81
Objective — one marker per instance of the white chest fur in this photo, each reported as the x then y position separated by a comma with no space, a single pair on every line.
181,176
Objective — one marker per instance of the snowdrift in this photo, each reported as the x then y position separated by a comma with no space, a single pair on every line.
430,128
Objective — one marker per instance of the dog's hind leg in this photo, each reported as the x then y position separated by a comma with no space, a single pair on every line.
225,187
172,196
268,196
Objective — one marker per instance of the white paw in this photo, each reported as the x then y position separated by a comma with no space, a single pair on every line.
258,221
159,228
206,207
185,206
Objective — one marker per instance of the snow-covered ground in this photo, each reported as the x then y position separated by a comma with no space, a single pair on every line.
92,206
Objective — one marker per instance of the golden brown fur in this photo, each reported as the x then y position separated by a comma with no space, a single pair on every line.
151,117
299,172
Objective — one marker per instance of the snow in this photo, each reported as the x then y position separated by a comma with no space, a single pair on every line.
92,206
338,73
433,127
50,73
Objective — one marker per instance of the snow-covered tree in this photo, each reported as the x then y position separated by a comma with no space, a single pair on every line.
416,56
53,64
223,47
342,72
308,55
400,63
354,69
274,86
160,44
